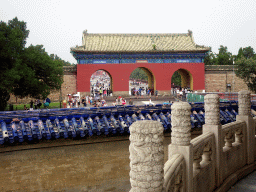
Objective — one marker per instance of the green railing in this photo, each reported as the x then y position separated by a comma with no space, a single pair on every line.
191,98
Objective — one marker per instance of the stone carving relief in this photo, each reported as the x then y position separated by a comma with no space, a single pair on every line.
244,103
212,110
146,156
181,125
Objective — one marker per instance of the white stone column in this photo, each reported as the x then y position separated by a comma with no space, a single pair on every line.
244,114
212,124
146,156
181,137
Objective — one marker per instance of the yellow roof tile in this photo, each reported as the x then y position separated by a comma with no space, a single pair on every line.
162,42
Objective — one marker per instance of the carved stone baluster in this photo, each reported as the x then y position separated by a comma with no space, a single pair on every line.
239,135
146,156
244,114
212,124
198,157
181,124
244,101
229,138
180,139
207,151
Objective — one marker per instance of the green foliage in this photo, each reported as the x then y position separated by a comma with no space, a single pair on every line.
246,70
176,78
25,71
139,73
246,52
39,73
222,58
64,63
210,59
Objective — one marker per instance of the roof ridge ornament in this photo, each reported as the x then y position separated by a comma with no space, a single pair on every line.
190,33
85,31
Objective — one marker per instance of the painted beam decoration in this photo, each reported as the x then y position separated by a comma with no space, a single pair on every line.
86,58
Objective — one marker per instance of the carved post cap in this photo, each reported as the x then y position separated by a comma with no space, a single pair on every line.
244,103
146,156
211,96
212,109
181,123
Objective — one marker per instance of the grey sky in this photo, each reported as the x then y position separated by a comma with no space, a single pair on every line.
58,24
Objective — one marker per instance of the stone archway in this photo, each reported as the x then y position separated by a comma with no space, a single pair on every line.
145,77
186,78
101,79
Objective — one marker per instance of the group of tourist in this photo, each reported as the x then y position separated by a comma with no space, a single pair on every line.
37,104
120,101
180,92
75,102
141,91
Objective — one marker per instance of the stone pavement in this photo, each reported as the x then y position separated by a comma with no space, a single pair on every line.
248,184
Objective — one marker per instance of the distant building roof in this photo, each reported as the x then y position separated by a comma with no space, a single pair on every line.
158,42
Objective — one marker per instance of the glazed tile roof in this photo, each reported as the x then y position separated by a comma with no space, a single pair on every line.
161,42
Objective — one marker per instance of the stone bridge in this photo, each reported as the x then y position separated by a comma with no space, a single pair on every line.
213,161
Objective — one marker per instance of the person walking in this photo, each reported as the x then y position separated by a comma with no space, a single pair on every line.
84,102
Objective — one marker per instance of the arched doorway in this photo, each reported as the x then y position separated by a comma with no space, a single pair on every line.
182,78
141,80
101,81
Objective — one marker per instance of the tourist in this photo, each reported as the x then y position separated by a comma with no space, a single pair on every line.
64,102
69,99
35,104
130,102
25,107
103,102
87,98
46,104
123,101
78,102
116,101
39,104
31,105
84,101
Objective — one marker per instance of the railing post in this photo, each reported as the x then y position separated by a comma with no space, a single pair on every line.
244,114
146,156
212,124
181,137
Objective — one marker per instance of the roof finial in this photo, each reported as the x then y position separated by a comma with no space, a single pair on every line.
190,33
85,31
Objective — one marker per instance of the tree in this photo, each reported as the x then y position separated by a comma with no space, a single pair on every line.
210,59
40,74
176,78
25,71
64,63
246,52
246,70
139,74
224,57
12,41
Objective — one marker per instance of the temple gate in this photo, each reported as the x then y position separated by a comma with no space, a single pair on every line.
160,55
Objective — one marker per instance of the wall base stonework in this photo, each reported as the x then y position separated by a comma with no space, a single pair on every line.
121,93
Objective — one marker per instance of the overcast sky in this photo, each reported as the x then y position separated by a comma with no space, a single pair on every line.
58,24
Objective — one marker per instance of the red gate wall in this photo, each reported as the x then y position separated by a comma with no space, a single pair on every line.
120,74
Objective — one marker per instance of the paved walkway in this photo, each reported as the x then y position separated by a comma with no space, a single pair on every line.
248,184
